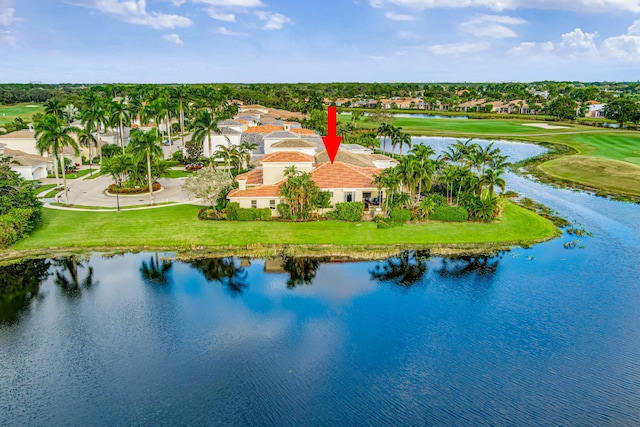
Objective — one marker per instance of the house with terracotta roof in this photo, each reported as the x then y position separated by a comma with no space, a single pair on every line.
228,137
345,181
25,142
595,109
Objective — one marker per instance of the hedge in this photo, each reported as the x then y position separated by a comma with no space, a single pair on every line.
236,213
349,211
400,215
449,213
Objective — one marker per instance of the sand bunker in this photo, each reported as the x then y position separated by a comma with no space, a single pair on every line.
545,126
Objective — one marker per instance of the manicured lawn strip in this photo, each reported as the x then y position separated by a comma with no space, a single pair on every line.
51,193
177,173
178,227
44,188
96,173
81,173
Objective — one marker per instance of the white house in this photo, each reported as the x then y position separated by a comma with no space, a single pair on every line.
226,138
28,166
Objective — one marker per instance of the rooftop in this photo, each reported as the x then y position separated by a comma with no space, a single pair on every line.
264,129
287,157
253,177
262,191
293,143
24,133
342,175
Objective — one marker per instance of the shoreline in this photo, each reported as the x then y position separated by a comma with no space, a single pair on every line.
345,252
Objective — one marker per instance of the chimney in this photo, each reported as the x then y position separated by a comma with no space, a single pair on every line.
287,127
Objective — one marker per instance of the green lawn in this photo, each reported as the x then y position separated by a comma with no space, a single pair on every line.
24,111
177,227
179,173
43,188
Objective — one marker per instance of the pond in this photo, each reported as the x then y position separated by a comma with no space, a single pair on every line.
538,336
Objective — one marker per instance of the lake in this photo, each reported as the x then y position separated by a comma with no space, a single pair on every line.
538,336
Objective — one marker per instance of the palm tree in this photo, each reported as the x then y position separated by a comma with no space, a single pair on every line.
227,154
53,107
492,179
204,124
384,130
70,112
93,114
53,136
247,149
179,95
120,116
403,139
427,206
146,144
86,138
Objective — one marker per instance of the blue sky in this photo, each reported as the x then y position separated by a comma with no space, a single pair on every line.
189,41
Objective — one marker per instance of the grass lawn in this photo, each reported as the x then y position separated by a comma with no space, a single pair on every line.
609,175
24,111
179,173
177,227
52,193
45,187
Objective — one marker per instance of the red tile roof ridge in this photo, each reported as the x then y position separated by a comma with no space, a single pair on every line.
288,156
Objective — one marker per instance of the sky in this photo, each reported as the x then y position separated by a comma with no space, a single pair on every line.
244,41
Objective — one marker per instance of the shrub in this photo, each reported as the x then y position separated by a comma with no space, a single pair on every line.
177,156
400,215
232,211
14,224
253,214
449,213
349,211
127,190
283,210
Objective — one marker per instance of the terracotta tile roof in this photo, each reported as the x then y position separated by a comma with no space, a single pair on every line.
287,157
302,131
265,129
25,133
344,156
262,191
290,143
342,175
242,121
253,177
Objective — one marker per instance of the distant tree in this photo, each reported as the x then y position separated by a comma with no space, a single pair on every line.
622,110
146,145
562,107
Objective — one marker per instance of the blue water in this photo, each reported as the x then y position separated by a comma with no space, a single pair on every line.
538,336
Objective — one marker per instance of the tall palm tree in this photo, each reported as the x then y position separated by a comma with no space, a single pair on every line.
180,95
93,114
404,139
70,112
204,124
52,136
87,139
146,144
384,130
246,150
120,116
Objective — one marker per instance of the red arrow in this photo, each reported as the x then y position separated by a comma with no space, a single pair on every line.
332,140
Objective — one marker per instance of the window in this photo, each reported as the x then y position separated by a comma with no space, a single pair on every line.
272,204
254,204
349,196
331,193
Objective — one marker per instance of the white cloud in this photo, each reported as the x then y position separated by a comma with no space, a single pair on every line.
230,4
275,21
225,32
6,13
457,48
399,17
215,14
135,12
173,38
530,48
596,6
634,29
493,26
625,47
578,42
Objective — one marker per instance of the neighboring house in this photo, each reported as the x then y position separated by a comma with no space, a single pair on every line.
295,145
21,140
595,109
277,136
28,166
253,108
226,138
234,124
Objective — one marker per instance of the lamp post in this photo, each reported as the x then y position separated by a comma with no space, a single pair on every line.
117,194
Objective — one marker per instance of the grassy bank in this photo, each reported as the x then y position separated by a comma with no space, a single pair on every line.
177,228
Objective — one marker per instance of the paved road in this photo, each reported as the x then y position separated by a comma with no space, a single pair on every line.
91,192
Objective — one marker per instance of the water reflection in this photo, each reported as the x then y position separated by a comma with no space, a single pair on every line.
302,270
71,276
19,285
405,270
156,271
227,271
481,265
